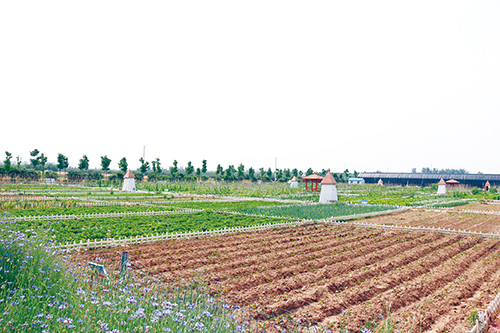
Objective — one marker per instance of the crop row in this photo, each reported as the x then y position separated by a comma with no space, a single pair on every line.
83,210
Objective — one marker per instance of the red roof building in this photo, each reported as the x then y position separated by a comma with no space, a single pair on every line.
314,179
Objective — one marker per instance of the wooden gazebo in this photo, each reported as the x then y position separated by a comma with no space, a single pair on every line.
314,179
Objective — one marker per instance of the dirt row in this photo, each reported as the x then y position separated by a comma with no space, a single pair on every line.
444,219
431,281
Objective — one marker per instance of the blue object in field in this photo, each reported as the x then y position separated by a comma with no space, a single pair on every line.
99,270
364,202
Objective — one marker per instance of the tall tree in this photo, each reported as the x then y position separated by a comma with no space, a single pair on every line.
219,170
19,160
144,165
198,172
309,172
42,160
158,166
269,173
7,164
83,164
251,173
105,162
62,162
123,165
204,166
241,171
174,170
189,168
35,160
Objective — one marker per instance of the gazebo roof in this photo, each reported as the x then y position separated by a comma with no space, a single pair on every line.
314,176
452,181
129,174
487,183
328,180
442,182
294,179
380,180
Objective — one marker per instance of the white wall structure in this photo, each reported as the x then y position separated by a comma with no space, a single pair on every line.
354,180
294,183
441,187
380,182
129,182
328,189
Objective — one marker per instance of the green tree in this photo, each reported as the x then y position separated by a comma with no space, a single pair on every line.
174,170
62,162
204,166
123,165
251,174
42,160
7,164
105,162
269,173
144,165
83,164
35,160
241,171
158,166
19,160
198,172
345,175
295,172
189,168
309,172
219,170
261,173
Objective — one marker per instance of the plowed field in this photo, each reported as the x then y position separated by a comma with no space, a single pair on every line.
319,271
443,219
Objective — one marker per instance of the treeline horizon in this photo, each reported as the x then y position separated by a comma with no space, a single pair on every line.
154,171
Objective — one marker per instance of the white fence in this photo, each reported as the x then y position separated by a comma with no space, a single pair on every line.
487,212
99,215
488,316
156,238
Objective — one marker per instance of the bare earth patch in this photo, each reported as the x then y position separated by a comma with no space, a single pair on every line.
319,271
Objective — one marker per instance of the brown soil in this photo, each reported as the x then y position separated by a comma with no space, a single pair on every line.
444,219
318,271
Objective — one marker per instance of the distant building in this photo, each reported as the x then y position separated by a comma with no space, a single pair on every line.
354,180
129,182
380,182
487,186
452,182
294,182
328,189
50,181
441,187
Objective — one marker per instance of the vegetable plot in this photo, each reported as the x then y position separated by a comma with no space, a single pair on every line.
116,227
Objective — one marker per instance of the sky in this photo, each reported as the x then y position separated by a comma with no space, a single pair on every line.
362,85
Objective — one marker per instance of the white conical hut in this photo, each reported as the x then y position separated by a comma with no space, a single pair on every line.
441,187
328,189
294,183
380,182
129,182
487,186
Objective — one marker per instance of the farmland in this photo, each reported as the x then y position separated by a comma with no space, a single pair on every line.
336,274
319,271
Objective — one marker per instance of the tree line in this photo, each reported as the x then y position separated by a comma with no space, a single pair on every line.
38,167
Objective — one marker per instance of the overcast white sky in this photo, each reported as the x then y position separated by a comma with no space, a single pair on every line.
364,85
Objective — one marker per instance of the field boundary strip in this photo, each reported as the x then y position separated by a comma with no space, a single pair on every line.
187,234
100,215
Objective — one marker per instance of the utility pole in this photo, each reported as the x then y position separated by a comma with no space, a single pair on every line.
275,168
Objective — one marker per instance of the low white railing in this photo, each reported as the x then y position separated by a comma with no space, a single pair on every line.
99,215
